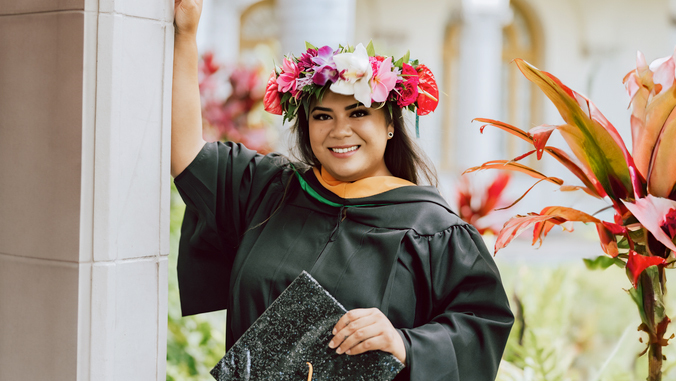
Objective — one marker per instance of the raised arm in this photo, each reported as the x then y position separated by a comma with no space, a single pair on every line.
186,114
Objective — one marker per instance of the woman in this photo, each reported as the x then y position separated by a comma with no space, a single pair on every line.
416,280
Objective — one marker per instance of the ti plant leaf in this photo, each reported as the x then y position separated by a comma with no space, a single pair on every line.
594,141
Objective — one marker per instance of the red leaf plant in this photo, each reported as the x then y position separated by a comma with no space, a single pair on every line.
232,117
476,206
640,186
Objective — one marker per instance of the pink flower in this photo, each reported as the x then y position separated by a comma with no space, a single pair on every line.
409,88
272,100
383,80
305,60
287,80
325,67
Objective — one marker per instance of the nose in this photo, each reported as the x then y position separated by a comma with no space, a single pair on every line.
342,128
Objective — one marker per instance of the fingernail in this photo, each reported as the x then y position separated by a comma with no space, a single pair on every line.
331,344
334,331
349,352
339,350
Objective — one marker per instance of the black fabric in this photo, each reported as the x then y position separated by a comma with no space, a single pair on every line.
249,230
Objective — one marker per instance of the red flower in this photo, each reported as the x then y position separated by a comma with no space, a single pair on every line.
305,60
429,92
208,65
408,92
272,100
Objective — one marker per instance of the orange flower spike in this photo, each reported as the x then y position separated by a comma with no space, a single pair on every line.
637,263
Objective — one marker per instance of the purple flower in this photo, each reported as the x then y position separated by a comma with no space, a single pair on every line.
305,60
325,67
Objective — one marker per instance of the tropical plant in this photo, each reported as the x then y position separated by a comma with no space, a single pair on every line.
239,116
640,186
194,343
476,204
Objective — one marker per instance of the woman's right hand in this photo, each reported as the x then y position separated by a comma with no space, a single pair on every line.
187,16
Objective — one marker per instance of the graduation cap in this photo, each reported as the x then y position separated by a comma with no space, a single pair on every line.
294,332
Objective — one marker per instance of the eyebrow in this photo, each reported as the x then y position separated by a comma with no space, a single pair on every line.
350,107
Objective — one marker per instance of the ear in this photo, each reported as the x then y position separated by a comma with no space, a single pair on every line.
390,128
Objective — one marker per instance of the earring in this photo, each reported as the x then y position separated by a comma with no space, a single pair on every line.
390,134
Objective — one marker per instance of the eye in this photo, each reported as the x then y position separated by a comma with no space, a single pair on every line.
320,116
359,113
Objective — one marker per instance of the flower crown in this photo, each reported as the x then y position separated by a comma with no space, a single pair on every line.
354,71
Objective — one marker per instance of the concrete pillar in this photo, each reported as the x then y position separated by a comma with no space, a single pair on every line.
85,96
219,29
479,90
672,22
320,22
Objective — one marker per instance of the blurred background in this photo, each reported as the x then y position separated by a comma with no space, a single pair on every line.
573,323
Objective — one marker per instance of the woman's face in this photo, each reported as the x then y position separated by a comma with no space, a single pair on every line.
347,138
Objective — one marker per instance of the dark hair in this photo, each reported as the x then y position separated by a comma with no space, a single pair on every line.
403,157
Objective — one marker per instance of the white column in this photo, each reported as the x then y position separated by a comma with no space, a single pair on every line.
672,22
320,22
85,96
479,90
219,29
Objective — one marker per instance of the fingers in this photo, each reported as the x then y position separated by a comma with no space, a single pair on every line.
348,323
187,15
368,338
361,330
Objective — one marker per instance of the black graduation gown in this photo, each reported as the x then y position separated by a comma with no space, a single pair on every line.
250,229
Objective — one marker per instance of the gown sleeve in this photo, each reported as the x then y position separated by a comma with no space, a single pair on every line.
470,315
219,188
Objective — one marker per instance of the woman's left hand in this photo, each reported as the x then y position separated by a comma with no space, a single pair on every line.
363,330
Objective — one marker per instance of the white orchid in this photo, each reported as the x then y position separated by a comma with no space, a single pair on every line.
355,73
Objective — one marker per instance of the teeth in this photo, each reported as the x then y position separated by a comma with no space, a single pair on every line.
344,150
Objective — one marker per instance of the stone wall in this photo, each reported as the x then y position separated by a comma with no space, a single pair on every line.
85,95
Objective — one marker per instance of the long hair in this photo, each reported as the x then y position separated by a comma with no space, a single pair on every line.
403,157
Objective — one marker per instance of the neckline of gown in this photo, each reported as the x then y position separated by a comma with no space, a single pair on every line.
398,195
366,187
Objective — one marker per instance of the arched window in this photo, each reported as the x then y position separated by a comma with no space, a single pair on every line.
520,99
522,38
259,29
451,59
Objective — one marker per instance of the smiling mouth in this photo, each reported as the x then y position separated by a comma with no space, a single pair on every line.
344,150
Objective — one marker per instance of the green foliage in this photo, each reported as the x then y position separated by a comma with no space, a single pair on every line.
573,325
600,263
194,343
370,50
